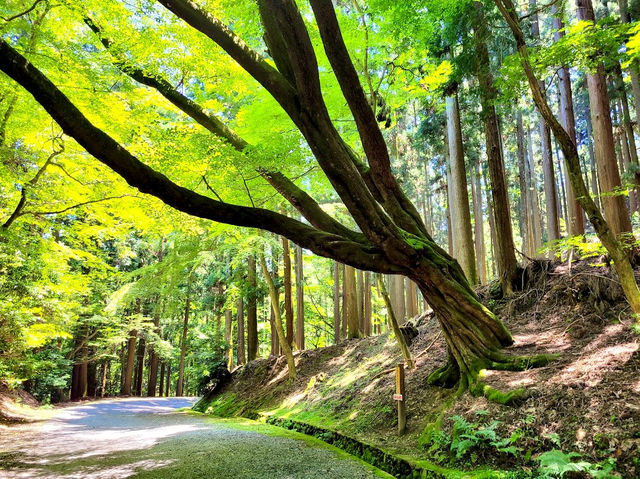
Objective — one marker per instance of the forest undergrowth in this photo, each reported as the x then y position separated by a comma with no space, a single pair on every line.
580,419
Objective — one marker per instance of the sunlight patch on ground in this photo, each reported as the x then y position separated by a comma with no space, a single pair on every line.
550,339
590,369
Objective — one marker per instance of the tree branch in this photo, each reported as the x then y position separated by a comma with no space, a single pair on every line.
247,58
137,174
296,196
394,200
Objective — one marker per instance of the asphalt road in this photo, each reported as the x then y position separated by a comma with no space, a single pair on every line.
148,438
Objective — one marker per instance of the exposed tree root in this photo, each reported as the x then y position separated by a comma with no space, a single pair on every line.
449,375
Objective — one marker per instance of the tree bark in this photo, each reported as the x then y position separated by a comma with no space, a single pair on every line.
551,196
183,343
615,211
460,213
288,292
138,376
228,339
252,312
478,215
128,366
505,250
276,319
336,302
299,299
353,323
575,224
241,355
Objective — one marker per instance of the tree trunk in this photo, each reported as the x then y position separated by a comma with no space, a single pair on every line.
460,213
183,343
505,251
161,385
360,300
575,224
534,203
139,367
252,312
299,299
241,356
168,385
336,302
353,323
288,291
615,211
393,321
553,225
228,339
481,258
276,321
367,303
153,361
525,220
128,366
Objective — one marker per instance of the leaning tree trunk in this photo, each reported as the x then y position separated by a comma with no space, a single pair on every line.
276,319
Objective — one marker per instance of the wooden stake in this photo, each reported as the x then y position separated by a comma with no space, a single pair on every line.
400,397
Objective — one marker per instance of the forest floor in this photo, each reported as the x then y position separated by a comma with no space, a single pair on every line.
586,401
148,438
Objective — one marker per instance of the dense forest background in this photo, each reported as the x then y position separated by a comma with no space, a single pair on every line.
106,291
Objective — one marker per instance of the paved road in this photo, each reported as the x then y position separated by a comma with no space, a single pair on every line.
147,438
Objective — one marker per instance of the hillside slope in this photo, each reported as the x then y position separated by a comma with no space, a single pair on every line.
587,400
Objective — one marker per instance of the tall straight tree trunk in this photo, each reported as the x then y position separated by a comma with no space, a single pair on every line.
276,319
183,343
360,299
336,302
161,385
595,184
367,303
241,355
628,138
343,323
534,203
167,391
551,196
412,299
252,312
353,323
615,211
575,223
130,361
481,259
142,346
299,298
153,359
288,291
460,213
505,250
105,378
525,221
633,67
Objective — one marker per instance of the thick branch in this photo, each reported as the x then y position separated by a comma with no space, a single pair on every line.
247,58
296,196
149,181
394,200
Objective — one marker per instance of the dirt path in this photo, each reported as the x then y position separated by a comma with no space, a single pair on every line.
147,438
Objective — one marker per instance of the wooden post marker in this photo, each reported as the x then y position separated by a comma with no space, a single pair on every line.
401,398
